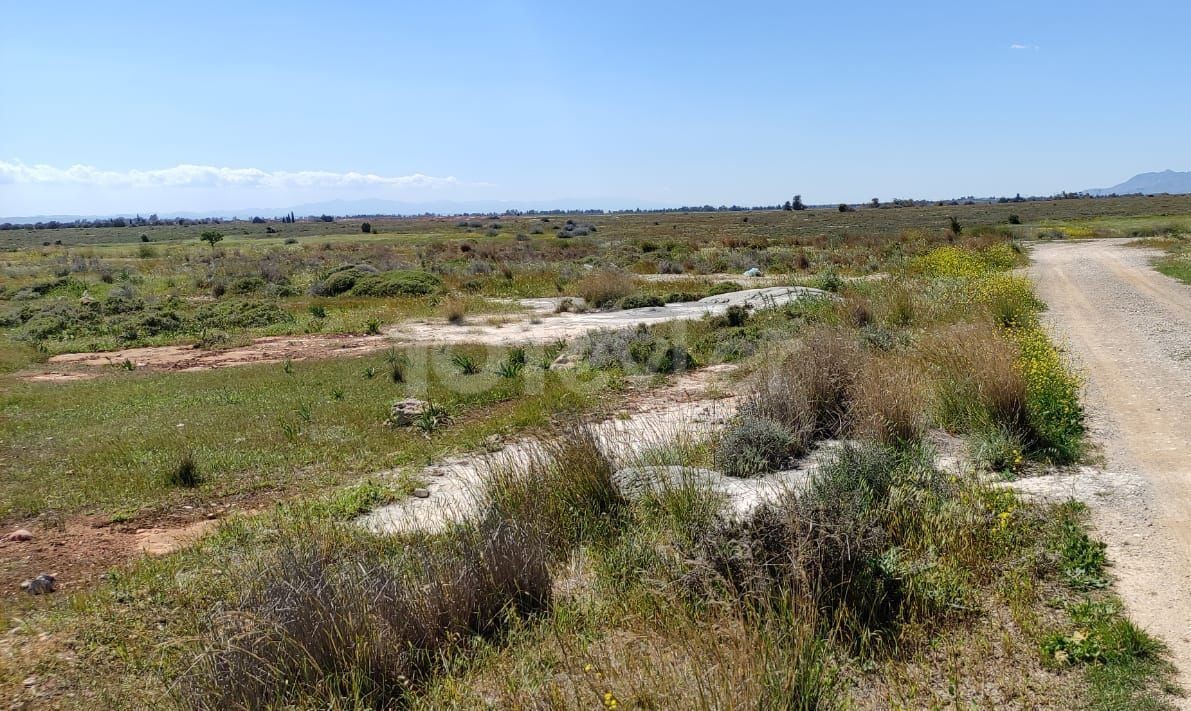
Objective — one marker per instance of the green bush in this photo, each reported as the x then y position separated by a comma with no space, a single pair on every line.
641,301
753,446
400,282
724,287
341,279
236,314
247,285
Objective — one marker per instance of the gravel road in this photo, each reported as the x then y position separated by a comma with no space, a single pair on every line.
1129,329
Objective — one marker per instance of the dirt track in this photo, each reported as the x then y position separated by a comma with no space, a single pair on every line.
1129,328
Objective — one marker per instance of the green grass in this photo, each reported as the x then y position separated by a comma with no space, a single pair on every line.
659,601
1177,262
109,443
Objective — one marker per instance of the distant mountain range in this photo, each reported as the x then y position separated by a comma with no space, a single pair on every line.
1167,181
340,208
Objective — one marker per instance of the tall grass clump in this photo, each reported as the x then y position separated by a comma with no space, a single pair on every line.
979,382
604,287
185,473
890,401
809,391
561,490
334,619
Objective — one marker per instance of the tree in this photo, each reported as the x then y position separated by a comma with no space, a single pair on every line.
797,204
956,228
876,202
211,237
787,207
365,227
845,207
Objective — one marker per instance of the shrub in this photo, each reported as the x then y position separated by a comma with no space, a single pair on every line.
724,287
237,315
397,283
366,227
825,549
752,446
318,310
831,281
604,287
246,285
641,301
341,279
680,297
669,357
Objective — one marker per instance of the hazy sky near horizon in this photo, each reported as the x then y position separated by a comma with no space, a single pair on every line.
121,106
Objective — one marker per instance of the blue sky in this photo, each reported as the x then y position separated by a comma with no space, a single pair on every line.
622,103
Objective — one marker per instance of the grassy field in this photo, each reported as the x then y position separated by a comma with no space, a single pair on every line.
888,581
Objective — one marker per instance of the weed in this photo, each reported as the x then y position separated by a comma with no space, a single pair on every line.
454,309
185,473
465,363
432,418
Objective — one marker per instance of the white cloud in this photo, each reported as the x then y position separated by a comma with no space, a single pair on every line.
1019,45
208,176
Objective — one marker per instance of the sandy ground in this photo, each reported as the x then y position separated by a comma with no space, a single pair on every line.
1129,329
539,324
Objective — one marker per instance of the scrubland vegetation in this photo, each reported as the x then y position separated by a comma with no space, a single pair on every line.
890,579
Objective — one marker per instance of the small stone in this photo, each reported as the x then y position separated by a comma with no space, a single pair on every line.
29,681
20,534
422,493
40,585
752,272
404,412
566,361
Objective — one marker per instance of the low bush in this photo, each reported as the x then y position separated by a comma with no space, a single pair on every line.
341,279
240,314
752,446
641,301
401,282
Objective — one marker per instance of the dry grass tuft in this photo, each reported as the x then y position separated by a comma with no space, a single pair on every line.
330,618
604,287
